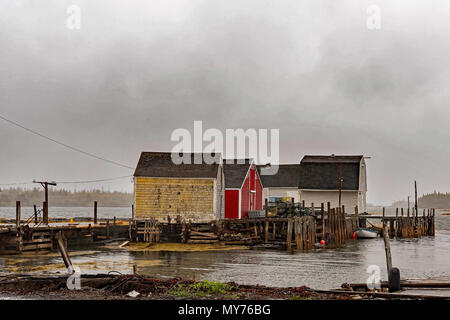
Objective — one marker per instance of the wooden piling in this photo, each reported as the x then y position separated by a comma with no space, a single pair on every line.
62,246
396,222
95,212
274,230
36,220
266,206
289,235
322,212
17,214
387,248
266,231
45,212
297,234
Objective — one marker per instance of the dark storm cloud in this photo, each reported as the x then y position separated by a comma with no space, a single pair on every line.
139,69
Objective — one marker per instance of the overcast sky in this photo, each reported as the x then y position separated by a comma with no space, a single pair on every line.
137,70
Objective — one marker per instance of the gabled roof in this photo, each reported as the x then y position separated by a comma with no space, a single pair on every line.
323,172
160,164
234,172
288,176
331,159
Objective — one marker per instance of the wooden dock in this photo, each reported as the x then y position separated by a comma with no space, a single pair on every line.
293,229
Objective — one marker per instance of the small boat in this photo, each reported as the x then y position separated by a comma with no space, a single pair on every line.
364,233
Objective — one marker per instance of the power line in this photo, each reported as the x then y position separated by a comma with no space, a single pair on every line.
93,181
70,182
65,145
15,183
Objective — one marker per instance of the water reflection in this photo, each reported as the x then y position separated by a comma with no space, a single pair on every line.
322,268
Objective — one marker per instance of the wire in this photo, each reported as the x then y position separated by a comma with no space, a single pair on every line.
15,183
65,145
69,182
92,181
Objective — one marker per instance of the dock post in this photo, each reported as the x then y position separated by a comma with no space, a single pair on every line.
62,246
322,211
432,221
35,215
45,212
274,231
17,214
266,207
133,214
387,247
95,212
396,222
107,229
289,235
266,227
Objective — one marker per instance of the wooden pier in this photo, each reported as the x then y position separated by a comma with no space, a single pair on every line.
300,230
294,226
37,234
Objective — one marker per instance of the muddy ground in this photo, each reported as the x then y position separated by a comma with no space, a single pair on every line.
111,287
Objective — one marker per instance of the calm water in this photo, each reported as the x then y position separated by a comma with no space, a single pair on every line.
428,257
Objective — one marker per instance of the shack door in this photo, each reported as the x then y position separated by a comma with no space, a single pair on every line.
232,204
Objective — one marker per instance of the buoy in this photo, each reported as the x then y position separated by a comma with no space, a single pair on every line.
322,242
354,235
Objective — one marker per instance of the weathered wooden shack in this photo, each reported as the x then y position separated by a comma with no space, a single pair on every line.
326,178
243,188
282,184
192,190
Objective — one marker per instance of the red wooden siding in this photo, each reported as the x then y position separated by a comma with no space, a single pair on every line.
251,197
259,194
232,204
245,197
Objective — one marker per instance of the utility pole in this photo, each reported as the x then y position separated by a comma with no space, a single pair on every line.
45,185
340,184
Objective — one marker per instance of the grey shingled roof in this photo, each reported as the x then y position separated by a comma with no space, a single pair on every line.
235,173
160,164
322,172
288,176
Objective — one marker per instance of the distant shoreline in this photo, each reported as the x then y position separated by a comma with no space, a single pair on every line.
99,205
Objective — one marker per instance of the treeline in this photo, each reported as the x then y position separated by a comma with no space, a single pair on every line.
436,200
65,198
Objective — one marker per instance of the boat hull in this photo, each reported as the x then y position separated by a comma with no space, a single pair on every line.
366,234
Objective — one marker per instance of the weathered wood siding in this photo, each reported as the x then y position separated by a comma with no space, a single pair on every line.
158,198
